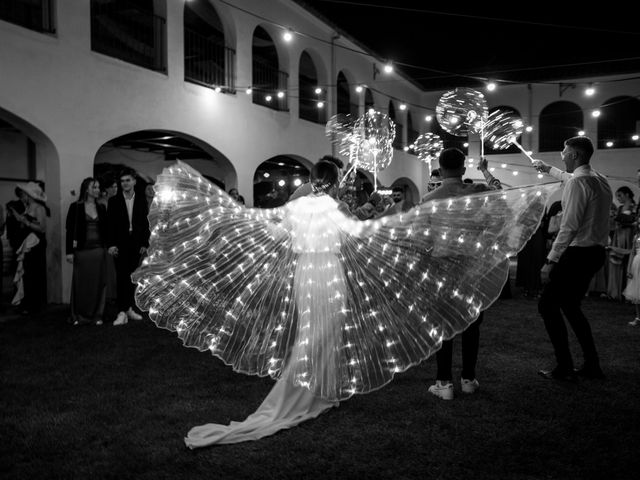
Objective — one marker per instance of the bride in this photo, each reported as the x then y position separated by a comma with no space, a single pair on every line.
328,305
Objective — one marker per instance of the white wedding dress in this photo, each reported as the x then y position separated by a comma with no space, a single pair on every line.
328,305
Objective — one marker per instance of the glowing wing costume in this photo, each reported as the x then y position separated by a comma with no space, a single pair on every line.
324,301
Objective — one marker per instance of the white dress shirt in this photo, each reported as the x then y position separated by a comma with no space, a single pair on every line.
129,203
586,201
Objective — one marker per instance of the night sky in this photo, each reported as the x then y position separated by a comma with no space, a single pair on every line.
521,43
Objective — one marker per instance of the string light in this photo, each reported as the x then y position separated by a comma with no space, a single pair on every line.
491,86
589,91
318,90
287,36
528,128
388,68
320,104
428,118
359,89
595,113
634,137
248,91
403,106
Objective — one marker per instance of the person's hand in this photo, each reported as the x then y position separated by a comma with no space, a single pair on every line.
545,272
540,166
483,164
143,250
70,258
113,251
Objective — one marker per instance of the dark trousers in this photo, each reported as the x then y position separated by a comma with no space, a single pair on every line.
568,284
126,262
470,344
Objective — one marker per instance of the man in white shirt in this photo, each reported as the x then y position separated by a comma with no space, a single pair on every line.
578,252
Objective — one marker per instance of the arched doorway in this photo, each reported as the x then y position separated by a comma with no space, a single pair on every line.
277,178
148,152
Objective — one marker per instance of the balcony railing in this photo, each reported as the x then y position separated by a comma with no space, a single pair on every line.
267,82
130,35
32,14
208,62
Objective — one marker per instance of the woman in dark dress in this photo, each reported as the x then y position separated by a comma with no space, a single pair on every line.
86,231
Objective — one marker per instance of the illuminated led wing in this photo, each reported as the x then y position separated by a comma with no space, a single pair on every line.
212,271
330,303
418,278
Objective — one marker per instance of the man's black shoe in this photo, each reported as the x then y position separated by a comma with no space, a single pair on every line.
557,374
590,372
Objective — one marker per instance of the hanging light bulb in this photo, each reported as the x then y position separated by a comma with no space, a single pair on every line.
595,113
634,137
491,86
529,128
281,94
589,91
609,144
388,67
403,106
287,35
359,89
581,133
248,91
318,90
320,104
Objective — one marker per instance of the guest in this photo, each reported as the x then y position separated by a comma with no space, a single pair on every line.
577,254
621,242
32,252
632,290
85,241
149,194
305,189
399,197
128,240
108,189
233,193
2,224
435,180
452,169
16,231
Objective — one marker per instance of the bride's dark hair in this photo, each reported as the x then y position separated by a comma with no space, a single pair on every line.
324,176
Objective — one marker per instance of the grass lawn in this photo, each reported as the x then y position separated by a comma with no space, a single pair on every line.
115,402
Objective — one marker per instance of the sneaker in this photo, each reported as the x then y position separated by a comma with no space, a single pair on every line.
121,319
635,322
469,386
442,390
133,315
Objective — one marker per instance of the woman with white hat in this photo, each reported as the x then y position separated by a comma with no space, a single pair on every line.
33,249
